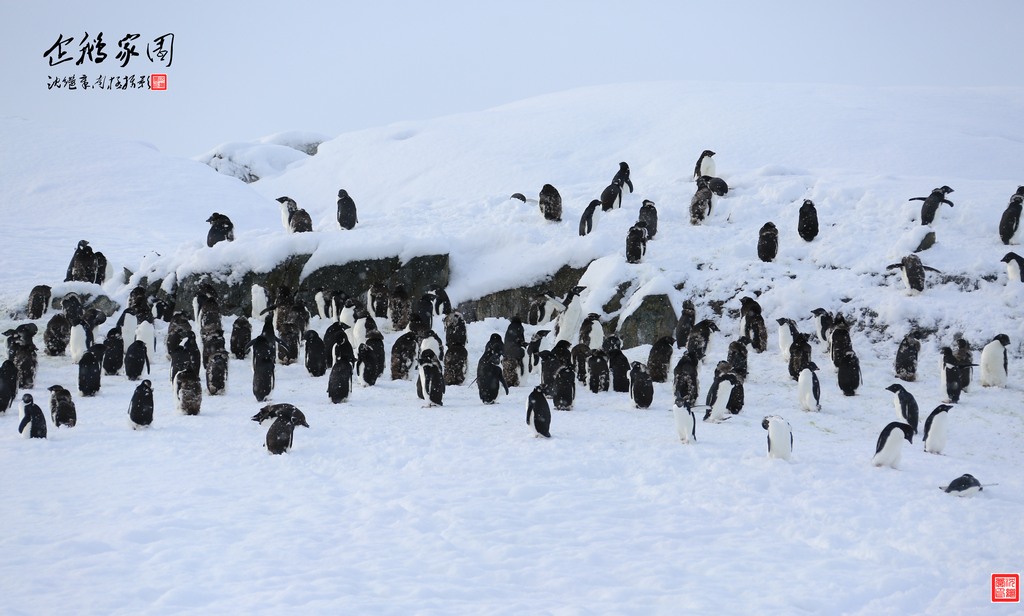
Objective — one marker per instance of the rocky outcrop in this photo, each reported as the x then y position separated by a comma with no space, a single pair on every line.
516,302
653,319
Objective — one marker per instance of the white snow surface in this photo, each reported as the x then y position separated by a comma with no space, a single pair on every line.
383,506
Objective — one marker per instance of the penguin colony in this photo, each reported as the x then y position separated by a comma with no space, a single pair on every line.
352,348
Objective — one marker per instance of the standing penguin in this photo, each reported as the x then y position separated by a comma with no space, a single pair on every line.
611,196
768,242
705,165
906,405
619,367
913,272
571,318
538,413
636,244
699,340
489,376
221,230
809,388
339,384
687,318
587,219
140,409
281,433
1014,268
799,355
315,358
1009,222
33,422
38,301
994,362
890,444
719,396
57,335
780,437
83,264
660,358
622,175
113,352
685,383
430,384
807,225
951,371
592,332
649,216
89,371
641,387
62,407
597,370
963,354
936,429
188,392
700,203
905,365
368,368
263,367
563,393
550,203
686,423
294,219
787,332
932,202
823,326
456,361
848,368
347,217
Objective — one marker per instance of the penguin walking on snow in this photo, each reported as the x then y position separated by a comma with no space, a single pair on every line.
686,423
280,436
347,217
906,405
932,202
848,373
889,448
936,429
636,244
140,409
951,373
33,422
622,175
221,230
808,388
538,413
430,384
768,242
550,203
807,223
780,437
705,165
905,365
994,362
1009,222
700,203
587,219
611,196
641,387
62,407
1014,267
339,383
913,273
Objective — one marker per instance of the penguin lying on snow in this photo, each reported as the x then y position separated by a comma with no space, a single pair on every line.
964,485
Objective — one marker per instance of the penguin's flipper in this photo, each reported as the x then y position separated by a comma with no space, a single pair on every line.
917,199
931,269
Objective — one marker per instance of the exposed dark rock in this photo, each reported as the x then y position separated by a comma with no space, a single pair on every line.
653,319
516,302
926,242
615,303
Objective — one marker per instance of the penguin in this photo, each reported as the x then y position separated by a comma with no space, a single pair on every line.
849,375
686,423
737,356
587,218
147,334
188,392
403,355
718,186
839,341
890,444
1014,267
538,413
38,301
705,165
619,368
768,242
905,365
563,391
430,384
700,203
964,485
799,355
280,435
62,407
513,353
951,374
549,365
718,398
787,334
71,304
913,273
622,175
641,387
685,383
963,354
808,388
660,358
936,429
932,202
140,409
367,366
221,230
550,203
136,357
598,372
994,362
611,196
57,335
377,299
258,299
8,385
1009,222
339,384
807,224
217,372
699,340
347,217
78,342
113,352
399,308
294,219
489,376
780,437
636,244
823,326
571,318
442,303
456,361
649,216
263,367
592,332
33,422
580,354
89,371
687,318
315,358
83,264
906,405
375,340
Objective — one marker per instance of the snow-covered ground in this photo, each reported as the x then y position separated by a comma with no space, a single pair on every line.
384,506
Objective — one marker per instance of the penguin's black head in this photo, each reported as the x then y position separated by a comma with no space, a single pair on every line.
1011,256
946,189
646,202
767,420
808,202
146,384
1003,339
298,418
944,407
813,367
1016,199
522,197
623,167
83,243
54,388
342,193
27,398
707,153
894,388
908,433
1020,191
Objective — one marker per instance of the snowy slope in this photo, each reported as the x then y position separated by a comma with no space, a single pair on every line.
386,507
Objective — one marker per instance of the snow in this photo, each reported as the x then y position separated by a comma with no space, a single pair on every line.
384,506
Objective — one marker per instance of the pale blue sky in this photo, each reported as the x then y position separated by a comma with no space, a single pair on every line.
245,70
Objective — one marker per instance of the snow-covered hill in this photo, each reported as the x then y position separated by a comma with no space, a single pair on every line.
384,506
